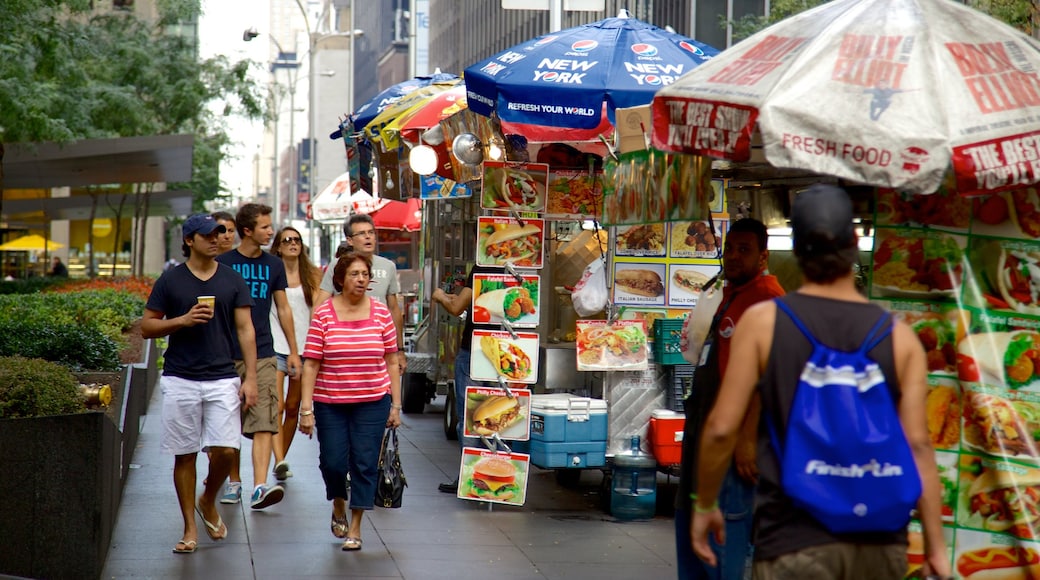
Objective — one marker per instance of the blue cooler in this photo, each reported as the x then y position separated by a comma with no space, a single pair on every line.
568,431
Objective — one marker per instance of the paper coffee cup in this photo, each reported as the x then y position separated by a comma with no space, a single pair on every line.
211,301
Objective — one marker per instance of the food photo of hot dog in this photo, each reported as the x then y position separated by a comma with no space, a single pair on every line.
999,563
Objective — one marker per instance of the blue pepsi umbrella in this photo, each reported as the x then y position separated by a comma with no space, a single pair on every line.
364,114
562,79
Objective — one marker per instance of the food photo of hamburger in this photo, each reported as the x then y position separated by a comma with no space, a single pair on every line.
490,414
999,563
493,477
502,241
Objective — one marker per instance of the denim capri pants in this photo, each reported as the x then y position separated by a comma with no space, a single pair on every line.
349,440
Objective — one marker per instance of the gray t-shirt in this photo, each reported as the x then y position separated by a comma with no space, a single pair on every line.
384,279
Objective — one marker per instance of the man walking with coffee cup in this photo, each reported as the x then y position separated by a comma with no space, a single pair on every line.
196,304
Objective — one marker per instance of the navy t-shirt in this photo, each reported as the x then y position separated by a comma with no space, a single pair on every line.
202,352
264,275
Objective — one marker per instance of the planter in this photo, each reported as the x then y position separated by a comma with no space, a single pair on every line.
63,478
61,498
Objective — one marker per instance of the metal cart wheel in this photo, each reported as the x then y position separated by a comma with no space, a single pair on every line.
451,421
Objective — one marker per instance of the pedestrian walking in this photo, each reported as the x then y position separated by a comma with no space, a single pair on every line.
204,307
264,275
351,392
771,350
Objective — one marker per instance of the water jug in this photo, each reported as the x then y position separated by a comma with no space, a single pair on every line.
634,490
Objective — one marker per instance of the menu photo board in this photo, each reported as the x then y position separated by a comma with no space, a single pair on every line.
499,298
574,194
493,476
505,240
509,186
492,411
639,283
434,186
498,354
697,238
685,282
621,346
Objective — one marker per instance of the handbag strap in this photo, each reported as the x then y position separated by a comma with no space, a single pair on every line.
384,448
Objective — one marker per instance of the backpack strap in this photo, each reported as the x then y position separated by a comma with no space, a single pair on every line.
790,314
878,333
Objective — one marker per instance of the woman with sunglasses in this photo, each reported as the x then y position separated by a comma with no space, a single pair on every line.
303,277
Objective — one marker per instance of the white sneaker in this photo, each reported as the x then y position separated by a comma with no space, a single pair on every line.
281,471
232,492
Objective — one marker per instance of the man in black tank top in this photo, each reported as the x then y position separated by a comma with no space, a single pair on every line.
771,353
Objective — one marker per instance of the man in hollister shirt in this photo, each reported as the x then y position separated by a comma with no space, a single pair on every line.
264,275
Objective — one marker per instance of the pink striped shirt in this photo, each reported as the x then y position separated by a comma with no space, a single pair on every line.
351,352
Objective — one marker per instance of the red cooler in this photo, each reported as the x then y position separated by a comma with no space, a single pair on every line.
666,435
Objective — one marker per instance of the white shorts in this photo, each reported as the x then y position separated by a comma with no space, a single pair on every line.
197,415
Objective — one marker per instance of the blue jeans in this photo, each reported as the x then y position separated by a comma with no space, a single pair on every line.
737,502
462,380
349,440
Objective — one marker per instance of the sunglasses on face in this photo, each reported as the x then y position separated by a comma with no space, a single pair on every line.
292,240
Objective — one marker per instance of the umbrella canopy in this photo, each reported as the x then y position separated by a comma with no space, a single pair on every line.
364,114
563,79
399,215
424,115
384,127
30,243
335,202
889,93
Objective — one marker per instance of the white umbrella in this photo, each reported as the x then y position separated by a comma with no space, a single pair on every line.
335,202
890,93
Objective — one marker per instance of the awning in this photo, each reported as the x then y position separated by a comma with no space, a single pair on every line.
76,207
153,159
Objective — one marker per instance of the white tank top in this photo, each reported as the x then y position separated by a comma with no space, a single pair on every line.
301,321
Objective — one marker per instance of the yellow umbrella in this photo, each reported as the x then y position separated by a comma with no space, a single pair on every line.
424,114
30,243
407,102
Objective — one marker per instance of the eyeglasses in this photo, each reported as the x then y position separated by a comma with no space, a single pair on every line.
359,274
364,234
292,240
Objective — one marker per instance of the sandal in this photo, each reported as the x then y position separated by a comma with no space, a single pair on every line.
217,531
183,547
339,526
352,544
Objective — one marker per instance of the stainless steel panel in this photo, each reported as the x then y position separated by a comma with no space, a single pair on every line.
631,398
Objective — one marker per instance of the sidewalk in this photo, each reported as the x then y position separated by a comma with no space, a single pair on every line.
559,533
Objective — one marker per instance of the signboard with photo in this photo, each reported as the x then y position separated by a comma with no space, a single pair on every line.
504,240
434,186
501,298
685,282
493,476
491,411
639,284
509,186
621,346
498,354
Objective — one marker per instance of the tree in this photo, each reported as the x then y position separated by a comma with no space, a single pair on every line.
68,74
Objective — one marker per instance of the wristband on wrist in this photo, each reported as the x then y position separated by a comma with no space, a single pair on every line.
306,413
698,509
398,407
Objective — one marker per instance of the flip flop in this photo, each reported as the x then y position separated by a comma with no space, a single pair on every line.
339,526
351,544
189,547
216,531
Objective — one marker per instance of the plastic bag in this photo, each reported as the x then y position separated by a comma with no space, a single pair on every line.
698,323
590,293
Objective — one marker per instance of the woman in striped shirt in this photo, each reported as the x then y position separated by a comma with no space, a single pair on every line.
351,390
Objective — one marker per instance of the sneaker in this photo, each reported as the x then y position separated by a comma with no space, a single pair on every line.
281,471
264,496
232,492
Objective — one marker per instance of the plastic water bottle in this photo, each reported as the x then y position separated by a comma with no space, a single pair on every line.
634,490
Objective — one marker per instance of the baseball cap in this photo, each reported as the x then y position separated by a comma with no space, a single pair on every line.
821,220
201,223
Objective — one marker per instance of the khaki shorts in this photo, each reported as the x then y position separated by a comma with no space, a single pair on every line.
838,561
263,416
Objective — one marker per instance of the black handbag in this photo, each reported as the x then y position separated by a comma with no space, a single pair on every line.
391,481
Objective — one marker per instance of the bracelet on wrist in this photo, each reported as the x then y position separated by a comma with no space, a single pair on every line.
398,407
306,413
708,509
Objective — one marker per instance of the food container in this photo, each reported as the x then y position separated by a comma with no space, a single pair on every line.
568,431
666,436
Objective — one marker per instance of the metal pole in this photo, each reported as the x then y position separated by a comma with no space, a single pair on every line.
292,147
276,189
555,15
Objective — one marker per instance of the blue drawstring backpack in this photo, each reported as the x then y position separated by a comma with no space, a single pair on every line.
844,457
